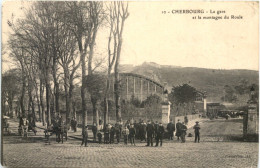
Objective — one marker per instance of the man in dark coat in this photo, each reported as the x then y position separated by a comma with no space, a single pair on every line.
99,135
117,131
112,134
85,137
159,134
132,134
186,120
178,129
72,125
183,132
144,127
121,126
197,132
142,131
94,130
150,133
106,134
136,126
75,125
156,126
171,129
139,129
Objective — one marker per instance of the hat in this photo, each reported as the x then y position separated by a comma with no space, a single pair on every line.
197,122
178,119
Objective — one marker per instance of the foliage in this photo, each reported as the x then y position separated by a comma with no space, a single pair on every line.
129,109
229,94
153,105
182,94
136,102
11,81
96,84
242,87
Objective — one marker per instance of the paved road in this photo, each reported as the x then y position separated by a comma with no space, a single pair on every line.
215,150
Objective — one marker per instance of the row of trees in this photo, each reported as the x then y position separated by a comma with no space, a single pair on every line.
53,42
238,92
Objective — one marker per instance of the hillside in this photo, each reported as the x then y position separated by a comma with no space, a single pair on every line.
210,80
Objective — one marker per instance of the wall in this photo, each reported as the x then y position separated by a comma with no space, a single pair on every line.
190,118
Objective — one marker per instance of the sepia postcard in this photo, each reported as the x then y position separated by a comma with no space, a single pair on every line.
130,84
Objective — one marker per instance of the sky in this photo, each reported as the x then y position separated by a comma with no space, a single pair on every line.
177,39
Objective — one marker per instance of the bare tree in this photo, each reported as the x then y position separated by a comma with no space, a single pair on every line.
118,15
84,19
36,32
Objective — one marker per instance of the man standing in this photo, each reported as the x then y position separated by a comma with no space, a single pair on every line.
117,131
106,134
75,125
24,126
132,134
125,133
156,127
197,132
99,135
183,132
186,120
178,127
150,133
142,131
94,130
121,126
112,134
170,129
159,134
85,137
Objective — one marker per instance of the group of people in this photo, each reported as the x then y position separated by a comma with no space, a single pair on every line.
145,132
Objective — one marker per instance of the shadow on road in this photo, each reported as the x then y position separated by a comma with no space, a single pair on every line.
18,139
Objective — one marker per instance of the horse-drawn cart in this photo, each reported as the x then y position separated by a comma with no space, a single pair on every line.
61,131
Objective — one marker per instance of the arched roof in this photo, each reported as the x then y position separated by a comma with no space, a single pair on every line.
143,77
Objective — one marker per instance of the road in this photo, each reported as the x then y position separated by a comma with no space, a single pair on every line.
219,147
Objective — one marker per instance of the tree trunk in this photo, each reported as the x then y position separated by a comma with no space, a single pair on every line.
38,103
106,97
67,100
83,99
56,89
71,101
10,104
42,104
31,103
23,91
57,96
117,94
48,101
95,115
106,111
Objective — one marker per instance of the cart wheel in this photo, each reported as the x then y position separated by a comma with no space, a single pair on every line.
66,136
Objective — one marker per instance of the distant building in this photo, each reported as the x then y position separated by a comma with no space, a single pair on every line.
213,109
136,85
